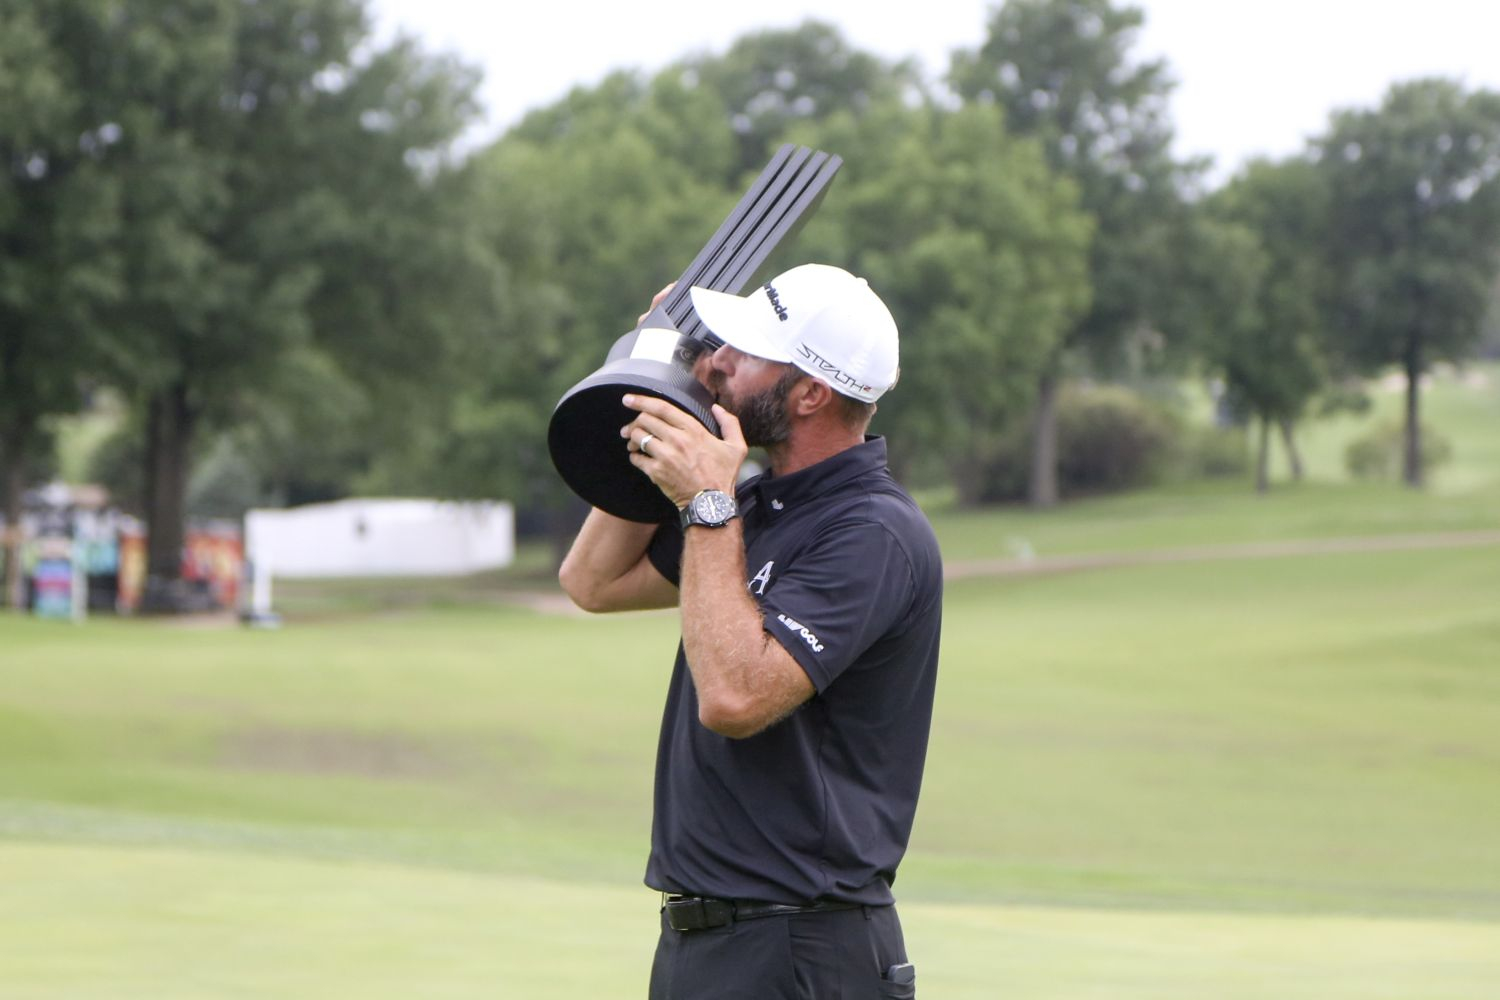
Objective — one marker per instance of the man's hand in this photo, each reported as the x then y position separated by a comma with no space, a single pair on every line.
655,301
681,457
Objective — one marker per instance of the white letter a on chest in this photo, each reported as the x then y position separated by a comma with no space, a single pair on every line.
758,581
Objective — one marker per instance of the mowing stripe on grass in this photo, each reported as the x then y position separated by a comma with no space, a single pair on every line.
84,923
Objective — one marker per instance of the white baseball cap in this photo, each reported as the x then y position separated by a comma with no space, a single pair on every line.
822,319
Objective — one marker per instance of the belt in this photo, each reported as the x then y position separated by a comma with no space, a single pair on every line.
701,913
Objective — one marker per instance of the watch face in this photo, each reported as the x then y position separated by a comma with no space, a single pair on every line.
713,506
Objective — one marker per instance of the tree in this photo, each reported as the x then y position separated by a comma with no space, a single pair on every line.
981,253
58,218
770,81
1414,221
973,241
1263,255
277,194
586,208
1062,71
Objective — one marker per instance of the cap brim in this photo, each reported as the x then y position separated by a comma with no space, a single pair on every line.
737,321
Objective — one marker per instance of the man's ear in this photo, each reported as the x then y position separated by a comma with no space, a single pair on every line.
813,396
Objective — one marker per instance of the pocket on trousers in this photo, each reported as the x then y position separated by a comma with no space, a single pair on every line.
906,990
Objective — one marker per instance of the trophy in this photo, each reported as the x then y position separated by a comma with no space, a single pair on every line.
657,357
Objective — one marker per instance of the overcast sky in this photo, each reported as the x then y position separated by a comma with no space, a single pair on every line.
1255,77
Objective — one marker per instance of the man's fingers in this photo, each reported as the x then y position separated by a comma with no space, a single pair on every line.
642,425
662,410
655,301
729,427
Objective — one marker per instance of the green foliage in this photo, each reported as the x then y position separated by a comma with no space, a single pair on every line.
964,231
1064,73
587,209
1378,454
118,464
1415,217
1414,230
1489,337
253,186
1267,334
979,251
772,81
1109,439
58,218
224,483
1347,396
249,207
1213,453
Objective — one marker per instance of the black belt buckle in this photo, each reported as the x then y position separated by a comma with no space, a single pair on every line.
696,913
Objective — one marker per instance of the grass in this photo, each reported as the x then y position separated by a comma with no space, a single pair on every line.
1461,405
1229,778
1172,712
1152,782
115,922
1309,734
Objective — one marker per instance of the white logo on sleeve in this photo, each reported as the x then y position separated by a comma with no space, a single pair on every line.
798,627
762,578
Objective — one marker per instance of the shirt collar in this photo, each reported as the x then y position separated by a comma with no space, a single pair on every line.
780,494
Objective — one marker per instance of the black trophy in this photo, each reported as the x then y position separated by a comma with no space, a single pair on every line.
657,357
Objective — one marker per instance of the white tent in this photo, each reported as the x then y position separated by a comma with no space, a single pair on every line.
381,538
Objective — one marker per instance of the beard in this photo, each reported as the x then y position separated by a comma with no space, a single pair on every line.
763,416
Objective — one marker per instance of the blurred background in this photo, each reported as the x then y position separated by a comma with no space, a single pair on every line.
1200,386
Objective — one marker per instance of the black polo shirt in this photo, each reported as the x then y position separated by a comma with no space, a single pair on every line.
848,576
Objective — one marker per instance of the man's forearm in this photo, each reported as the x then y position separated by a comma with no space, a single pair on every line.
744,679
598,569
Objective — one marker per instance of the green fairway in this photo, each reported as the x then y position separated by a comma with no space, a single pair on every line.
118,922
1143,781
1234,778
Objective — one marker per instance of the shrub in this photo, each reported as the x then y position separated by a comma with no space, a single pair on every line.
1108,439
1377,455
1215,453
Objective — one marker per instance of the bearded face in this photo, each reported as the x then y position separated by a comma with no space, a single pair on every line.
762,415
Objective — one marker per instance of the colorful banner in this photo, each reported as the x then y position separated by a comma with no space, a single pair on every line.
57,580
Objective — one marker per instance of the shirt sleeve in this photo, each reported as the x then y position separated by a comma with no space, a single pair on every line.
840,595
665,551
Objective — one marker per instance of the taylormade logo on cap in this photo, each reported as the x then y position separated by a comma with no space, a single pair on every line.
776,302
822,319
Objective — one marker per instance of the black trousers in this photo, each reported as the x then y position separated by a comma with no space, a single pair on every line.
828,955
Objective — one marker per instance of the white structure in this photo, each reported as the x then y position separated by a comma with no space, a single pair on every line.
381,538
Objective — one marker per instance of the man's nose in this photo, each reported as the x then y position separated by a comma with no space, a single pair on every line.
703,367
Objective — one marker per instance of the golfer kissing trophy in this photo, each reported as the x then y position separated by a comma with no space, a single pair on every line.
657,357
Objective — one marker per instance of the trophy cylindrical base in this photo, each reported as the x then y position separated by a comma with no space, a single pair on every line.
584,435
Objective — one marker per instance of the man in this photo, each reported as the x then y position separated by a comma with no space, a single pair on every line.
796,724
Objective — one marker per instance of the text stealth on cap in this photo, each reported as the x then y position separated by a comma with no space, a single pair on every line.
822,319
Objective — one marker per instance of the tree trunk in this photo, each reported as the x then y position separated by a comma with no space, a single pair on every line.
12,482
1292,455
1411,459
1263,457
1042,489
169,429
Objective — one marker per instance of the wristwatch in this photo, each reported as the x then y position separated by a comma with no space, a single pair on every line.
711,509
